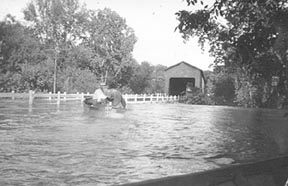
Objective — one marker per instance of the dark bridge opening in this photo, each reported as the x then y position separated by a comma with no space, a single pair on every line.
177,86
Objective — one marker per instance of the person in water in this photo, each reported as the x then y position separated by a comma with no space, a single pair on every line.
103,95
114,96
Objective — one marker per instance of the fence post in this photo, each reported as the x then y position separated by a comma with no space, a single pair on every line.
125,96
13,92
58,98
31,97
65,94
144,98
157,97
151,98
50,96
82,96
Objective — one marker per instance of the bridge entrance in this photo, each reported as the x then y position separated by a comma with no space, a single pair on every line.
178,86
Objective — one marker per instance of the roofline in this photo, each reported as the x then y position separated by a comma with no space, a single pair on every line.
202,73
184,63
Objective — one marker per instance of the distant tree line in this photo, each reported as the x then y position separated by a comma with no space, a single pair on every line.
63,46
249,40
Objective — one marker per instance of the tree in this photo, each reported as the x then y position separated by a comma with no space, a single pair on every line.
65,47
140,82
112,43
250,38
98,40
20,55
220,87
11,34
57,24
224,89
157,79
75,80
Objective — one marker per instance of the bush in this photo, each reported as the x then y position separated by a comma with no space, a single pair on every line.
196,97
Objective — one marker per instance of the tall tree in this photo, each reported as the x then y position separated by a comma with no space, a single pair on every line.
66,47
20,55
112,42
58,25
248,37
11,34
157,79
141,81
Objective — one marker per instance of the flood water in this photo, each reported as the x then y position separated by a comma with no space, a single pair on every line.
69,144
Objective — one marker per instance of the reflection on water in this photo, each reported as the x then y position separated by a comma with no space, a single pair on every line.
68,144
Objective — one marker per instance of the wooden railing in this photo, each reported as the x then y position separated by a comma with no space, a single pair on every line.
129,98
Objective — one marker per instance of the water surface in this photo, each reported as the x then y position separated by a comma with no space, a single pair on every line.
69,144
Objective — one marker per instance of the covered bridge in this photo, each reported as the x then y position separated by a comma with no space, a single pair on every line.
181,77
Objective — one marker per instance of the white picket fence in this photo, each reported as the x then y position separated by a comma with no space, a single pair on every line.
129,98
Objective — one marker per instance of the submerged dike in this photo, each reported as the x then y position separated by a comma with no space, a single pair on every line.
273,172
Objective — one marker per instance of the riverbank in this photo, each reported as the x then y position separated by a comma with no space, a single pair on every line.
273,172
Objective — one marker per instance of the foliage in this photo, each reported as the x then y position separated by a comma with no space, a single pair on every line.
56,23
96,42
20,58
224,90
158,80
197,97
74,80
250,38
64,46
220,87
111,42
140,81
148,79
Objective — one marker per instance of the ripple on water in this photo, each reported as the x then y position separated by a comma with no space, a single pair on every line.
70,145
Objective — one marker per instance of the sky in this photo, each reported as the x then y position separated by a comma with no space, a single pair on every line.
154,23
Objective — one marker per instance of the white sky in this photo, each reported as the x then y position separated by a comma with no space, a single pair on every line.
153,21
